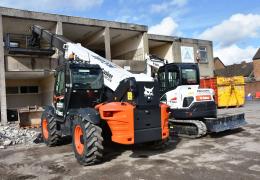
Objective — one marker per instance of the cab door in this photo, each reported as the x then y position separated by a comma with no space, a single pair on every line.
59,92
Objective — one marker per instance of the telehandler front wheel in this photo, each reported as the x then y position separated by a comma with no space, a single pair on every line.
87,142
50,132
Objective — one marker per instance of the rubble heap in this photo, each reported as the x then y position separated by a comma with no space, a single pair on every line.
12,134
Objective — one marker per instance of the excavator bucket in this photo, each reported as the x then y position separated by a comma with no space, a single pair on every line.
225,122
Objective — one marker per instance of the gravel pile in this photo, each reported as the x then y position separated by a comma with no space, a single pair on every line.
12,134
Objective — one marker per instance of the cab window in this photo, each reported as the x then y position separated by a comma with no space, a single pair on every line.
60,83
189,76
87,78
162,81
173,78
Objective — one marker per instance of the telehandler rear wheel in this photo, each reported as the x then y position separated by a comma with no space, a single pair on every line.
50,132
87,142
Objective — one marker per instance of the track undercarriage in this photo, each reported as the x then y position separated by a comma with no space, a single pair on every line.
199,128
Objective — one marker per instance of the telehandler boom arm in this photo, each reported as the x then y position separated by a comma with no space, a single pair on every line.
113,74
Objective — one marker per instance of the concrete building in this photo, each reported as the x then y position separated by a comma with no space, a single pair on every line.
178,49
27,80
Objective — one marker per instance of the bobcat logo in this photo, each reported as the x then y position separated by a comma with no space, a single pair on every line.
148,92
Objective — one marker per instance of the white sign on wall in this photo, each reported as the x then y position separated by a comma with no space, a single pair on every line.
187,54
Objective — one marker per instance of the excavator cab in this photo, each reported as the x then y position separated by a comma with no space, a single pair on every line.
77,86
173,75
179,88
193,109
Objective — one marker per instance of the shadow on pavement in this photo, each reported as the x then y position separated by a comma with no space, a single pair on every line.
226,133
113,150
146,150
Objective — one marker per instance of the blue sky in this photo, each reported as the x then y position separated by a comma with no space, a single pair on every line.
233,25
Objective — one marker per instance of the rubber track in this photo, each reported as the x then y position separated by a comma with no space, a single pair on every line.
201,127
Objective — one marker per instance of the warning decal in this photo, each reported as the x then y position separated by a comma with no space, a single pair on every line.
187,54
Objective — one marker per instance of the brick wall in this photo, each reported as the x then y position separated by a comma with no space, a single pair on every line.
257,69
252,87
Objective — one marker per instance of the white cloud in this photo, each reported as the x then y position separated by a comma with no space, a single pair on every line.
167,5
50,5
234,29
166,27
234,54
131,19
180,3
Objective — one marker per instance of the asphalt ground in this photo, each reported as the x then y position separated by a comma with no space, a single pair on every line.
228,155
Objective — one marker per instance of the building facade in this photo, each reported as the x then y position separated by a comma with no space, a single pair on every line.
256,62
27,80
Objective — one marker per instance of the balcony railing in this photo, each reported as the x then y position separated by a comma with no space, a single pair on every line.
20,44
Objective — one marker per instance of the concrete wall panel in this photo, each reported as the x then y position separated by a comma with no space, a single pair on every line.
135,66
47,88
17,101
18,64
206,69
130,49
43,98
14,63
22,100
165,51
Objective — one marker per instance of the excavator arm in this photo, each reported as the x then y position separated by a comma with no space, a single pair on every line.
153,61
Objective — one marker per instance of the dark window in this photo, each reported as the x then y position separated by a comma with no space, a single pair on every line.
87,78
189,76
203,54
12,90
173,78
170,80
29,89
162,80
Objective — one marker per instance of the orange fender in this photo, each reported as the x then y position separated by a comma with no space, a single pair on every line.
165,120
120,118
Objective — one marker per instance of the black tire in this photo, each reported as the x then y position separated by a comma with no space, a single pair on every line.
53,133
91,141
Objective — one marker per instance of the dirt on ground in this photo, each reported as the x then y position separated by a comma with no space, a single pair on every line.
229,155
